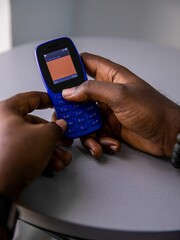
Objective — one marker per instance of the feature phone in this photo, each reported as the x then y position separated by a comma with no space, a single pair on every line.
61,67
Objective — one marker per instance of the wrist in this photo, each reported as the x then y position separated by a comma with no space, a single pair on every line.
173,128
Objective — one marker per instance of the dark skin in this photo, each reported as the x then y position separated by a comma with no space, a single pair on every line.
28,143
132,110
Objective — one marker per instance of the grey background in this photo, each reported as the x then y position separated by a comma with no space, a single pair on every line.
130,195
151,20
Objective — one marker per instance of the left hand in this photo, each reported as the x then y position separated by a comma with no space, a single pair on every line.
132,109
28,143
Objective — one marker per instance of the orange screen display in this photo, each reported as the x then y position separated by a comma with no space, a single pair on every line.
61,68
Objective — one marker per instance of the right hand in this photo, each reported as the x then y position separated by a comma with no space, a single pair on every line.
132,109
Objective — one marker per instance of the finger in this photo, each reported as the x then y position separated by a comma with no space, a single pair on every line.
34,119
106,139
111,126
103,69
54,117
64,141
108,93
102,138
91,144
53,131
25,103
61,159
109,145
97,145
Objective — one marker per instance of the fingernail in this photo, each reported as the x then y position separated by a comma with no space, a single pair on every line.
61,123
68,92
92,153
114,148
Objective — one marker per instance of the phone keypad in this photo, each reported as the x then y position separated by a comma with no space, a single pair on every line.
81,118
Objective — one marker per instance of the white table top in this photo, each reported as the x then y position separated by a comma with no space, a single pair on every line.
130,195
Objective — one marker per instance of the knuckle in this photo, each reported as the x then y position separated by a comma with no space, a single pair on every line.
113,74
88,87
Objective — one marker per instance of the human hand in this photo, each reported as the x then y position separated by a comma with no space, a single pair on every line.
132,109
28,143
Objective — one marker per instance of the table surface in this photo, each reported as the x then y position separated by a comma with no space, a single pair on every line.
130,195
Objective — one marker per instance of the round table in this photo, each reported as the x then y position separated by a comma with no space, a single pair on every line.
130,195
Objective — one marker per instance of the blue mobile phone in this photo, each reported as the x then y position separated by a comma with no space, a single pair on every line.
61,67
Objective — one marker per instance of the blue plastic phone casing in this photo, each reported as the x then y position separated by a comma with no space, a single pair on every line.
82,118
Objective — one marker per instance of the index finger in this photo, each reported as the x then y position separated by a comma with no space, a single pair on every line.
27,102
103,69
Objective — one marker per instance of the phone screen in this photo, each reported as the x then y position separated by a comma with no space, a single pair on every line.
60,65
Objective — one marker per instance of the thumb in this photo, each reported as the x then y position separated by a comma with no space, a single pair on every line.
55,130
110,94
